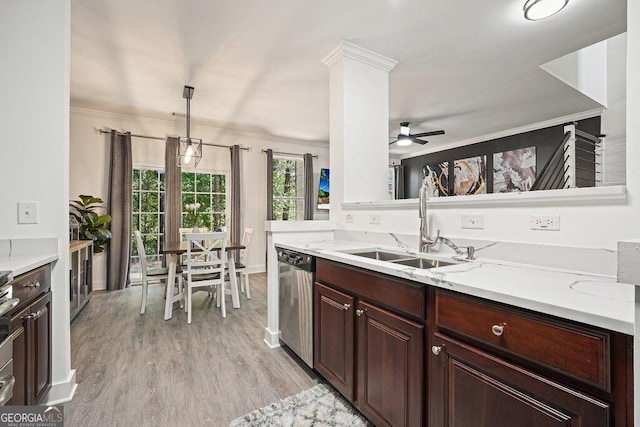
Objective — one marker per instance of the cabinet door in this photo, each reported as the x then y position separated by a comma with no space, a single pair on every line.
474,388
41,337
390,367
334,340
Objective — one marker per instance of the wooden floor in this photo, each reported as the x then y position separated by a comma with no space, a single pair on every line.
140,370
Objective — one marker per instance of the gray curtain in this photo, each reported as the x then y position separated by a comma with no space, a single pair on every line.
172,191
269,185
309,202
119,207
398,171
234,234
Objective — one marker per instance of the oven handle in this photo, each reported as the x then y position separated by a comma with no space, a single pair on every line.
6,387
6,307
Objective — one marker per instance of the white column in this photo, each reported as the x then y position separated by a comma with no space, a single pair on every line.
359,125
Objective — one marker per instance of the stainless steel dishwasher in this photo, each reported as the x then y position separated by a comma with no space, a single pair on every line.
296,274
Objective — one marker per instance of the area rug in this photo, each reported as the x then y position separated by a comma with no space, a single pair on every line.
319,406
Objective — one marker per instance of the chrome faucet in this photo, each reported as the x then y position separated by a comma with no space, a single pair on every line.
426,241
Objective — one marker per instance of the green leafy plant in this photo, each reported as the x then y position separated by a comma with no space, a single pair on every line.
93,225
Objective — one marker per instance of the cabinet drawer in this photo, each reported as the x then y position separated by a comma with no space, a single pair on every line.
29,285
578,352
401,296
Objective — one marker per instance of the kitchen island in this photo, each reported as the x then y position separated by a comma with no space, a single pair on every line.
501,332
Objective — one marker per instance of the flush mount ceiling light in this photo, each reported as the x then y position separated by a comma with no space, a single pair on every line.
190,148
535,10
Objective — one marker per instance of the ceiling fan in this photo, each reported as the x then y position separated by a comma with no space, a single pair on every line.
406,138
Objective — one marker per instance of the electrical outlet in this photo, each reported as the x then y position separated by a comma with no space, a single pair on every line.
375,219
473,221
27,212
348,217
545,222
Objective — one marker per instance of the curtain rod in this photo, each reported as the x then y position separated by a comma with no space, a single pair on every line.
290,154
157,138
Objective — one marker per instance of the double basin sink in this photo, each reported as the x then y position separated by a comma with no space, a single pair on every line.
403,259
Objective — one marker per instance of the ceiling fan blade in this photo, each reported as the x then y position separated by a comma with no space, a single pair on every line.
393,142
418,141
433,132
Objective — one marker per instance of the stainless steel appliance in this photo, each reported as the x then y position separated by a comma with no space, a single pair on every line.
7,303
296,274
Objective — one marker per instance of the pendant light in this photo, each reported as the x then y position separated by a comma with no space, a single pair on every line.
535,10
190,148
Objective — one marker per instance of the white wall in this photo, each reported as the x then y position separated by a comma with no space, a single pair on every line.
34,116
89,160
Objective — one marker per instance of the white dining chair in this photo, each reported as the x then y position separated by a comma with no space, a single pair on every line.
241,263
154,275
206,259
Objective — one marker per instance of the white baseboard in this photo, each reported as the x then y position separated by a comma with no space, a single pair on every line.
272,339
257,269
61,392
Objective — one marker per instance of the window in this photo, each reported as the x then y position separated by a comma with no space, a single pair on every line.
210,190
288,189
147,209
147,215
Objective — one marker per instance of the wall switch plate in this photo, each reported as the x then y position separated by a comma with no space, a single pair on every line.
348,217
27,212
374,218
473,221
545,222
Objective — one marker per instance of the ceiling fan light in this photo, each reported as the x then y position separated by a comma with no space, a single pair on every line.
404,129
535,10
403,142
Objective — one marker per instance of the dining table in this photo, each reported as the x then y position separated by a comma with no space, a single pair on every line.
173,250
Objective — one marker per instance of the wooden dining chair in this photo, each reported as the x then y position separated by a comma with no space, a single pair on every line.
152,274
206,258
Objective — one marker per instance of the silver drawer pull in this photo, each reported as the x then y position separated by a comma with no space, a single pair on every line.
347,306
36,285
497,330
436,349
38,313
360,312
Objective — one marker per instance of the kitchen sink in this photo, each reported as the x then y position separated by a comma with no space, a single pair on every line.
423,263
381,255
403,259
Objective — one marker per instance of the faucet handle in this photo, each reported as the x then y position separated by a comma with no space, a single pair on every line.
471,252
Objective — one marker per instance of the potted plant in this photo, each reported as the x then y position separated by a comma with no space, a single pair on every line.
92,225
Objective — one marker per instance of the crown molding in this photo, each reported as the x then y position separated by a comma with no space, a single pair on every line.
172,122
357,53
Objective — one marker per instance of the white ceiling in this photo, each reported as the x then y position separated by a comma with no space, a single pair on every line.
470,67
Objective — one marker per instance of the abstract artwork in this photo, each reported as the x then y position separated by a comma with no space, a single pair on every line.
470,176
323,189
514,170
437,179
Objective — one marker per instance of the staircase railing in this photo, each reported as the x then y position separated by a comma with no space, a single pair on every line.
575,162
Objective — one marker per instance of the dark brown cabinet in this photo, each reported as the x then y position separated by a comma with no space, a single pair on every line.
31,325
492,364
369,342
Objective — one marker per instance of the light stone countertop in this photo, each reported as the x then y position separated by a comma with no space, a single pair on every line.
21,264
583,297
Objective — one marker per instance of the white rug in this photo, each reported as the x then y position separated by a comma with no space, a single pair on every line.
319,406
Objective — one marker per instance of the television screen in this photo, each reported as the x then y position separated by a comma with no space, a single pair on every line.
323,189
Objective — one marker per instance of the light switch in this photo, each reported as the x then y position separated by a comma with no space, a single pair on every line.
473,221
27,212
375,219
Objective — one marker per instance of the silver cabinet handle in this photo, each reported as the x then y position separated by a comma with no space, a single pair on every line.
360,312
436,349
497,330
36,285
347,306
38,313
